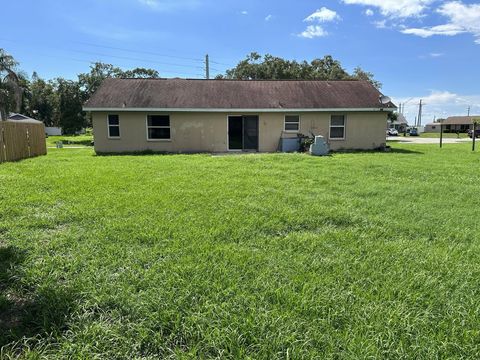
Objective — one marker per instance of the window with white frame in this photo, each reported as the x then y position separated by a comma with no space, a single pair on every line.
113,126
337,127
158,127
292,123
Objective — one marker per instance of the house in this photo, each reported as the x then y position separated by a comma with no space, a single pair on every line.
458,123
182,115
401,124
433,127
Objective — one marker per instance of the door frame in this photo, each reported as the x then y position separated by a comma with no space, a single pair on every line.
258,133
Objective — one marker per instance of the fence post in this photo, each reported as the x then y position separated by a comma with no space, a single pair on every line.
3,148
28,143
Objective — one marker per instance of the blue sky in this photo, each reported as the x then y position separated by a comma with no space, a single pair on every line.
425,49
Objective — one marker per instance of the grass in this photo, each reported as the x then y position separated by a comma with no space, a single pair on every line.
279,256
445,135
70,140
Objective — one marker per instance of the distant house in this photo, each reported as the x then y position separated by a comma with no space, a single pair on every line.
179,115
400,124
432,127
453,124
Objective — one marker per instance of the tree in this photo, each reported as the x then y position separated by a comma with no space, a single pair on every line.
69,108
42,100
268,67
360,74
10,90
141,73
89,82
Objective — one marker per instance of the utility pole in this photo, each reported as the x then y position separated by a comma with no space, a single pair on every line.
419,118
207,67
468,111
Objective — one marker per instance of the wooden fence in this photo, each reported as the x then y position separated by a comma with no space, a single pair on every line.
21,139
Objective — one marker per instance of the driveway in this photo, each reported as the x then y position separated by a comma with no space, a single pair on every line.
420,140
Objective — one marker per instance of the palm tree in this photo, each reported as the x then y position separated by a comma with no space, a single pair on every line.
10,89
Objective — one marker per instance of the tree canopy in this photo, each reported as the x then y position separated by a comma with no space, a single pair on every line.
269,67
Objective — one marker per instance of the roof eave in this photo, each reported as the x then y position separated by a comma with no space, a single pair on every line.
151,109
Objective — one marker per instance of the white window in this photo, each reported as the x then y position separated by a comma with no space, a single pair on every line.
337,127
292,123
158,127
113,126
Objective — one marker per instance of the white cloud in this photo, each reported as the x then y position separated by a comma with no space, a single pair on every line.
380,24
244,12
439,104
313,31
320,16
462,18
395,8
369,12
323,15
268,17
434,55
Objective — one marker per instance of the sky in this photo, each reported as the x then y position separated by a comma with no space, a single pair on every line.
418,49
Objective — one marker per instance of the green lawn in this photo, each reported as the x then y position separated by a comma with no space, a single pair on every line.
360,255
71,140
445,135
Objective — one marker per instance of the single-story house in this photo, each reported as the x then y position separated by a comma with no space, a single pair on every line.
461,124
433,127
401,124
181,115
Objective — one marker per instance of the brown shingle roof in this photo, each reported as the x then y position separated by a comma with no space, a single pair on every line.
459,120
234,94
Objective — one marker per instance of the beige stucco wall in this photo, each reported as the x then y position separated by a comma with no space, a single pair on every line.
208,132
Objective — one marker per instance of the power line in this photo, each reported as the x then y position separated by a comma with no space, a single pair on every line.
90,62
139,51
151,61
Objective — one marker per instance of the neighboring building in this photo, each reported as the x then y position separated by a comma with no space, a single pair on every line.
400,124
178,115
50,131
433,127
53,131
19,117
459,123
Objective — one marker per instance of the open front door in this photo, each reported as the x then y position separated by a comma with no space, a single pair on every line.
243,133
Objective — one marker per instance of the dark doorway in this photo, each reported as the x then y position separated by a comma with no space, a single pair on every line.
243,133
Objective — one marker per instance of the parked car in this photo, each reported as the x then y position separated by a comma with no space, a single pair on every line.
477,133
392,132
414,132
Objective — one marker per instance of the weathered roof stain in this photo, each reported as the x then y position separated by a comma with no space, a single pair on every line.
235,94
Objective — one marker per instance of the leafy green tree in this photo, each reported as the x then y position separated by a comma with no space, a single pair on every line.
89,82
10,90
141,73
269,67
69,108
360,74
42,100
